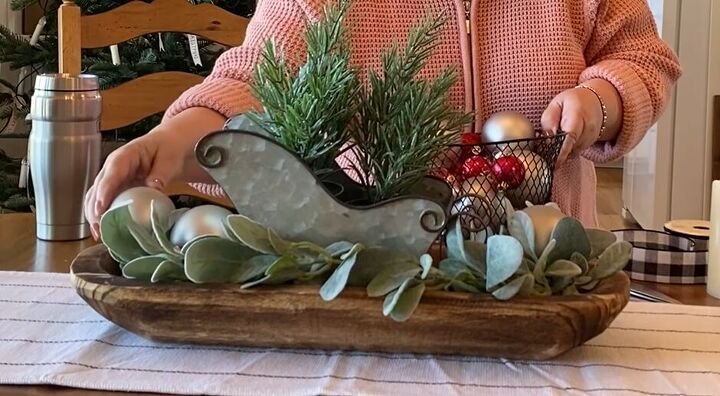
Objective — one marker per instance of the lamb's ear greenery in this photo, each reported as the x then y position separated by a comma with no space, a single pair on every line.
254,255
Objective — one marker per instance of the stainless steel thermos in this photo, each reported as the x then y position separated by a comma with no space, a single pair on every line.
64,152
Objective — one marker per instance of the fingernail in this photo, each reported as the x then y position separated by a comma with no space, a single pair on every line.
155,183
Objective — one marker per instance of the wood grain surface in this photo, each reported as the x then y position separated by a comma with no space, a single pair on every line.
444,322
142,97
137,18
69,57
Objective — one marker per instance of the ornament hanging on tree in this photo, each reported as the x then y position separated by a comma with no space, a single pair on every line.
205,220
502,127
537,181
509,172
139,199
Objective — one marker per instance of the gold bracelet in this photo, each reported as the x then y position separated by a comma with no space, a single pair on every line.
602,106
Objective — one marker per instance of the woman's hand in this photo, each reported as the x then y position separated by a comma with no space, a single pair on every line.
146,161
163,155
578,113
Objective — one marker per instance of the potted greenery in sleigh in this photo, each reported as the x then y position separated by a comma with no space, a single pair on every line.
319,259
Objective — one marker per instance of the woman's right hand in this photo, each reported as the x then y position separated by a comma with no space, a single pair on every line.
146,161
154,160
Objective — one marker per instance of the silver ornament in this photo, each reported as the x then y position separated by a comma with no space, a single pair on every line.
537,183
199,221
139,199
476,200
506,126
544,219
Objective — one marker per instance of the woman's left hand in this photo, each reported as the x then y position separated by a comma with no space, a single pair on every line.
578,113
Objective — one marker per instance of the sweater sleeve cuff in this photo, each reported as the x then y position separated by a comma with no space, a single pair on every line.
637,109
226,96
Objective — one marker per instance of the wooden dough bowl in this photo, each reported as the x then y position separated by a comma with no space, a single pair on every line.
295,316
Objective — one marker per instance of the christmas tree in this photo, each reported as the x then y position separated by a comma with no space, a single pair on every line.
143,55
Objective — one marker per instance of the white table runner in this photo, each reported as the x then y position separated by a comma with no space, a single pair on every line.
49,336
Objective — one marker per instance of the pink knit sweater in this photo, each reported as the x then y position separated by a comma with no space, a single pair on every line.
519,55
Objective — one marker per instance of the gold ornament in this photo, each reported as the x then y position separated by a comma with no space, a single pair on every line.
139,199
544,219
205,220
537,183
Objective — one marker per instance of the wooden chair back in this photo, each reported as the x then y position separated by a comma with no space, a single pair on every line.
150,94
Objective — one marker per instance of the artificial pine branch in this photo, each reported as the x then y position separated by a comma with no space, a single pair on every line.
7,104
18,5
405,122
309,112
398,125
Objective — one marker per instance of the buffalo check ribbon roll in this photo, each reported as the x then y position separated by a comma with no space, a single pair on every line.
664,258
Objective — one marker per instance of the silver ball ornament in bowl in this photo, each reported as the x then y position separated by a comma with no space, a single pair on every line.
139,199
505,126
544,219
205,220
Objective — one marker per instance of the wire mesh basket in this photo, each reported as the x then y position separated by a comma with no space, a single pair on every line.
483,174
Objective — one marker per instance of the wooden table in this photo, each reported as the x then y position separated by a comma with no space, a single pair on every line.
21,251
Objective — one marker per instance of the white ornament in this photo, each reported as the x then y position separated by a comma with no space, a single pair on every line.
139,199
205,220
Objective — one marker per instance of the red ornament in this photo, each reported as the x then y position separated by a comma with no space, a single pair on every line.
509,171
471,144
475,166
471,138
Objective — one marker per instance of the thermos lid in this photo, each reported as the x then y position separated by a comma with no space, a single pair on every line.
66,82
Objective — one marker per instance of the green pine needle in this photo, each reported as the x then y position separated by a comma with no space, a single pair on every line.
309,112
405,122
398,125
18,5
